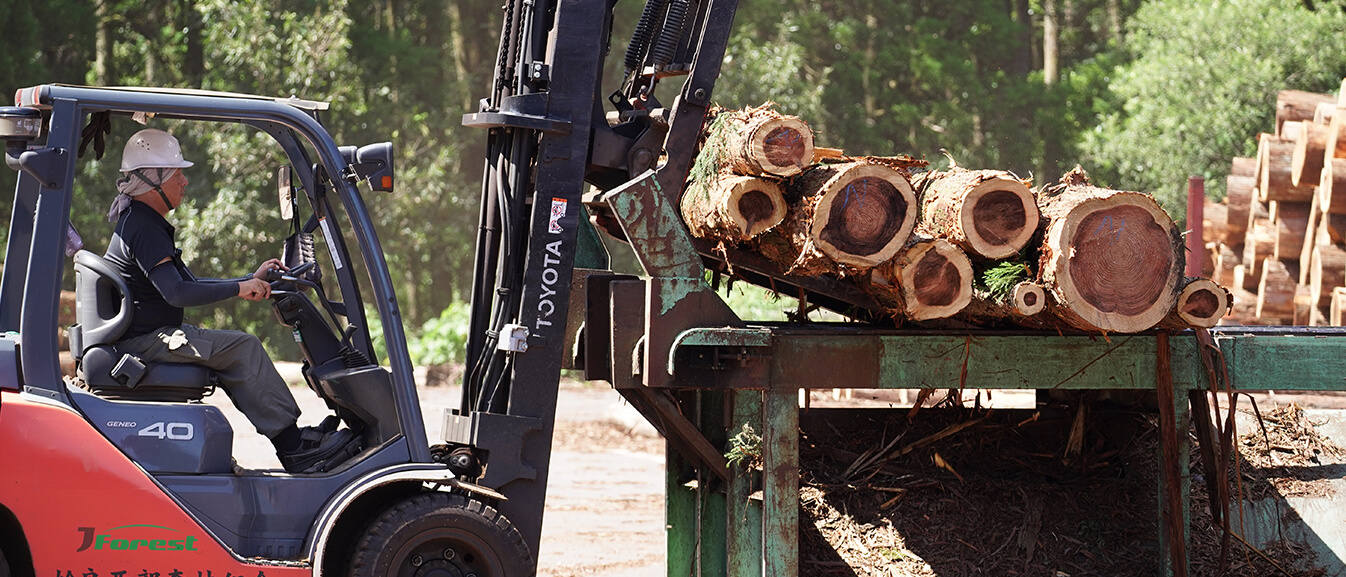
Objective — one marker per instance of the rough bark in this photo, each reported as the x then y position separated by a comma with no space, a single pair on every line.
1297,105
1332,186
1327,272
1275,158
1021,304
760,141
732,208
1111,259
990,214
1276,292
931,277
1201,303
858,214
1307,161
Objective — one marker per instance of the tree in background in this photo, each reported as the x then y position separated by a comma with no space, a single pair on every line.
1201,84
915,77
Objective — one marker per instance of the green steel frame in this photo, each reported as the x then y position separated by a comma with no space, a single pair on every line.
715,373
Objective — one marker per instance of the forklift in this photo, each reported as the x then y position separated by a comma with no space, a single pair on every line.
121,469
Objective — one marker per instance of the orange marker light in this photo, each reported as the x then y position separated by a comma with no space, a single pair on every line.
387,182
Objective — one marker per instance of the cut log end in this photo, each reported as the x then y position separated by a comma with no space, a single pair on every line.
1029,298
783,146
936,279
733,208
1202,303
864,215
1120,262
1002,218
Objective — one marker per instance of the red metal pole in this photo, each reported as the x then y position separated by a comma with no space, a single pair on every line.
1196,208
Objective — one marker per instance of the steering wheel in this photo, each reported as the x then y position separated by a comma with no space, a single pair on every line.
279,278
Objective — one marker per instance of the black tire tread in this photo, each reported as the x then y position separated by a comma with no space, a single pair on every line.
384,529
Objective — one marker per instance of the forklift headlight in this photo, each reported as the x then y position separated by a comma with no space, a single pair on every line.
19,124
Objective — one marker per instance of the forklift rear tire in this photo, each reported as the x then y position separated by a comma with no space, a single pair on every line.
441,534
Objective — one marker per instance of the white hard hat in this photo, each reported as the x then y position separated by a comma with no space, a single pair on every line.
152,148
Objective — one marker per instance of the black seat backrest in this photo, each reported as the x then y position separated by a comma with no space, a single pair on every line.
103,306
103,312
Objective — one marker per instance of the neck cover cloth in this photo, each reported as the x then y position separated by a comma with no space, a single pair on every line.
136,183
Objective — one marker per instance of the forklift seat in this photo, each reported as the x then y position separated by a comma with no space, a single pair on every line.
103,310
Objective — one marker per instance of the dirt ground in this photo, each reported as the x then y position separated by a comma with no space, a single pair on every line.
605,500
604,514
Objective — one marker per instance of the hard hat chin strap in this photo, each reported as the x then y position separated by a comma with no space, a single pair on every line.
157,188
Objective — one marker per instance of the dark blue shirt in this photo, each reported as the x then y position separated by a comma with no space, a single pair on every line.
142,240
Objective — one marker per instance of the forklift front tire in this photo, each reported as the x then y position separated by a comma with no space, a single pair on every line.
441,534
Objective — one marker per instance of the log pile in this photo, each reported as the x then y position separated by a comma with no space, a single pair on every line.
955,247
1281,244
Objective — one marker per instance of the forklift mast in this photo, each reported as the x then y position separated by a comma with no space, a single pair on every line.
553,132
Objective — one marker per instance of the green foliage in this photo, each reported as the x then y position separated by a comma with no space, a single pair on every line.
442,339
745,448
1203,84
999,280
754,303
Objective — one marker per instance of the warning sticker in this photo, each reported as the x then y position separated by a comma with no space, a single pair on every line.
558,211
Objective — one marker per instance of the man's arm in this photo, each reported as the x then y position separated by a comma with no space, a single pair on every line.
183,292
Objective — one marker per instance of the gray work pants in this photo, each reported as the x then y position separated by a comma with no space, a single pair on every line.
245,371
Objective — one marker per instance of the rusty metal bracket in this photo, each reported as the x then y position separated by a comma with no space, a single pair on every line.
663,413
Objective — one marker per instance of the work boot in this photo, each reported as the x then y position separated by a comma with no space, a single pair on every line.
320,451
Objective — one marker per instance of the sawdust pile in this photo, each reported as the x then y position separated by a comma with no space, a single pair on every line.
956,492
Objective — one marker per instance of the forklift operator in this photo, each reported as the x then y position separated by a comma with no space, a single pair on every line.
144,253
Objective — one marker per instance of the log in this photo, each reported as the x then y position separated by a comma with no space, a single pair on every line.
930,278
1332,186
1225,261
1275,291
1322,115
1338,306
732,208
1328,272
1257,247
1238,198
858,214
1306,163
1244,280
1304,311
1331,229
1310,234
1336,141
1213,217
990,214
1292,223
759,142
1275,158
1297,105
1111,259
1201,304
1243,310
1243,166
1020,304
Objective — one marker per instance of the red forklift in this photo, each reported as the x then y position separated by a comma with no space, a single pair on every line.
122,470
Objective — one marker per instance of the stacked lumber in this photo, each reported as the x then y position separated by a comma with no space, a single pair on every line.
1280,245
956,247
